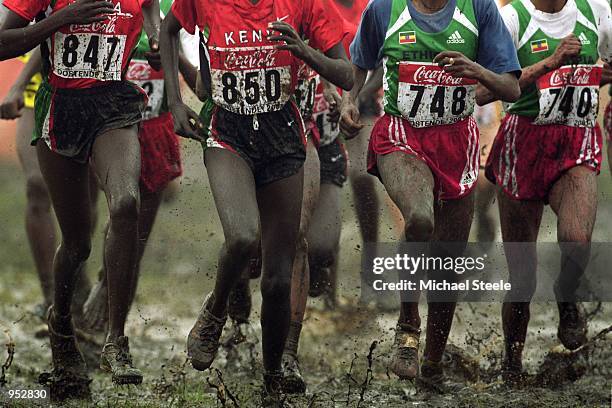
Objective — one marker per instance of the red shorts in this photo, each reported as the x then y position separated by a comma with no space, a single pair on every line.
608,121
450,151
527,159
160,153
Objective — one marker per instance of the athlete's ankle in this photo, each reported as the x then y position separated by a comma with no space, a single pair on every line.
293,338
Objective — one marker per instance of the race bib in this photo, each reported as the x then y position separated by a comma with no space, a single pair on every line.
329,131
141,73
306,90
428,96
251,80
88,56
569,96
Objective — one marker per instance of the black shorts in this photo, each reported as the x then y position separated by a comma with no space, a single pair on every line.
272,143
334,162
70,120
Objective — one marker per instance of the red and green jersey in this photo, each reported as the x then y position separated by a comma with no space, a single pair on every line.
570,94
415,87
249,74
86,55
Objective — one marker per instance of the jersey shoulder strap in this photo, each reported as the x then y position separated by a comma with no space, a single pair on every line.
585,9
524,17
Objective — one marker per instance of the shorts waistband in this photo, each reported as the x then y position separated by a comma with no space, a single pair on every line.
95,90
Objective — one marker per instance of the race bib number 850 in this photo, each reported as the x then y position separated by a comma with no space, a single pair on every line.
88,56
428,96
570,96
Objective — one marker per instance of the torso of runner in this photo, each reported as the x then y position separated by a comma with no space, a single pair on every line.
86,55
416,88
568,95
140,72
249,74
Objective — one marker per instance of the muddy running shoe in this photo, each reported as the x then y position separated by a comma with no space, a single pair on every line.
273,396
69,378
405,362
513,376
293,382
433,380
203,339
572,331
239,302
116,359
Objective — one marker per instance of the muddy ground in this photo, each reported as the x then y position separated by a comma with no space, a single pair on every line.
177,272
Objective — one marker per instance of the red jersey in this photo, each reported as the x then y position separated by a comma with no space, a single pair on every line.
86,55
249,74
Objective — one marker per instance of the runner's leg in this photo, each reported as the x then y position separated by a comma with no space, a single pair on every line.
520,222
119,176
574,199
280,205
40,227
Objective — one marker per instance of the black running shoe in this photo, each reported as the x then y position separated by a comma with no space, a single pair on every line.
572,331
293,382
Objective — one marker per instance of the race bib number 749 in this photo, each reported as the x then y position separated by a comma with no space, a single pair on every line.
428,96
88,56
569,96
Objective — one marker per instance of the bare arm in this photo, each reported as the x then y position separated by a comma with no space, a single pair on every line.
18,37
186,122
333,65
568,49
189,72
349,112
11,106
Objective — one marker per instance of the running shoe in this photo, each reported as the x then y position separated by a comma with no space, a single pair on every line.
117,360
432,379
572,331
273,396
203,339
292,382
405,362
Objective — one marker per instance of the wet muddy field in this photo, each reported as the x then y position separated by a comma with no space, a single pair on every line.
344,353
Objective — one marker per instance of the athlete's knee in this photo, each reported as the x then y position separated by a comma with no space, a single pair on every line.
244,244
276,286
125,207
419,226
37,195
321,253
77,250
579,237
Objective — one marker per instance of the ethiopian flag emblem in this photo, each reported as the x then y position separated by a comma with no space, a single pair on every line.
539,46
407,37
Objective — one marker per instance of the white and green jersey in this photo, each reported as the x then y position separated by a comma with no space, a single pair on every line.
414,86
570,94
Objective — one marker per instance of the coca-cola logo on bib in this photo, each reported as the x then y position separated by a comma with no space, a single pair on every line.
139,71
433,75
106,27
579,76
241,60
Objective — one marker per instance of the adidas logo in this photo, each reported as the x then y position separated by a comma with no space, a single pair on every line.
467,179
583,39
455,38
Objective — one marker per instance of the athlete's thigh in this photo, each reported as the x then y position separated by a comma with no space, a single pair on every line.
325,228
408,181
520,219
453,219
116,160
68,185
26,152
233,188
312,184
574,199
280,205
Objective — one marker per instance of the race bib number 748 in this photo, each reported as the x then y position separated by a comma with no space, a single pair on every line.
428,96
88,56
570,96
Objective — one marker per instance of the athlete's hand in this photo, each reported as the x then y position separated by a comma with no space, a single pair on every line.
458,65
349,119
12,105
86,11
153,57
292,41
567,51
331,95
187,123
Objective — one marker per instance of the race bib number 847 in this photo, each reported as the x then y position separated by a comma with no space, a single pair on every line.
88,56
569,96
428,96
